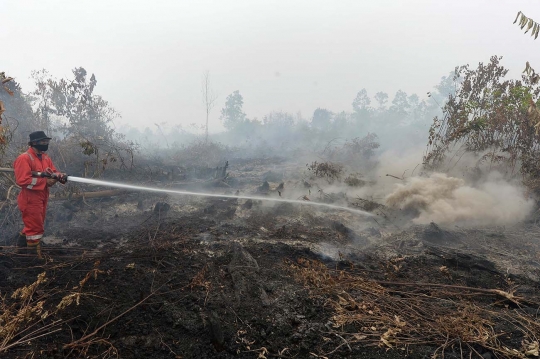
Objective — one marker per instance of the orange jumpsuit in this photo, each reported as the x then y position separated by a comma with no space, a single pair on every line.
34,193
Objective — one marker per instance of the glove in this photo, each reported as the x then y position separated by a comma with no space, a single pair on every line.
62,178
51,182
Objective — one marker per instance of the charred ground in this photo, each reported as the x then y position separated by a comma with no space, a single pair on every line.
139,275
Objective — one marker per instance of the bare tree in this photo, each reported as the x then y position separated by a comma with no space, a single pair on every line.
209,98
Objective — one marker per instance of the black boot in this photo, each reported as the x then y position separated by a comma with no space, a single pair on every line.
21,240
34,250
22,247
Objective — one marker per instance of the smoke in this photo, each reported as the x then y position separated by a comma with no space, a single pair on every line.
443,199
401,164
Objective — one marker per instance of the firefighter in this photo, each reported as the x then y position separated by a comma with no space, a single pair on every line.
31,167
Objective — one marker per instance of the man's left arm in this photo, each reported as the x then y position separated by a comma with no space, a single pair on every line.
52,181
62,178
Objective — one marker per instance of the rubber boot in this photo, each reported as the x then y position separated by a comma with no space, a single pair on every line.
37,247
21,240
38,250
21,244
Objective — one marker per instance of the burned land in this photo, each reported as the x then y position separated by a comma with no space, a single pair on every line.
436,255
135,274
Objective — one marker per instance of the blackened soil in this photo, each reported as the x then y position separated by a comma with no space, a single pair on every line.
200,285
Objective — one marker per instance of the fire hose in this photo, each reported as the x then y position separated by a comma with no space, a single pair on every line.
47,173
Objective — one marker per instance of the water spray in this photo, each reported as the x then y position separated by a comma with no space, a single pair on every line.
215,195
63,178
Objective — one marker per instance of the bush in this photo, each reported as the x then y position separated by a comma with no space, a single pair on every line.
492,118
328,170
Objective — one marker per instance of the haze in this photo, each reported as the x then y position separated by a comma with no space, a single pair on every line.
291,55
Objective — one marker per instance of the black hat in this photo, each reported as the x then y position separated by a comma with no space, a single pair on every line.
38,136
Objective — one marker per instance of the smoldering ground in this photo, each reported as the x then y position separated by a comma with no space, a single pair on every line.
444,199
400,181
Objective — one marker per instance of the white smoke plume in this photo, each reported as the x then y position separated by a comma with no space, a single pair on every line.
443,199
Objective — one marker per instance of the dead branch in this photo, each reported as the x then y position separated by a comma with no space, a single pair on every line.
507,295
11,180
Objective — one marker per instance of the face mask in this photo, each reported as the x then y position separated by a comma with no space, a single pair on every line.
41,148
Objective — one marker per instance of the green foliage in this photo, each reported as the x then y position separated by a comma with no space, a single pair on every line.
3,131
87,115
278,119
232,114
15,121
529,23
322,118
328,170
401,125
400,104
69,109
364,147
492,118
362,101
356,153
382,99
362,111
80,122
354,180
88,148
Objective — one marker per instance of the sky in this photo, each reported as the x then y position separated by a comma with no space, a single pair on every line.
284,55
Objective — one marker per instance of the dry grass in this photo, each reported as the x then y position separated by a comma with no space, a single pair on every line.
27,315
368,312
328,170
23,316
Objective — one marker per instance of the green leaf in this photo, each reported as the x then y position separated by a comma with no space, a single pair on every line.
524,21
517,16
531,23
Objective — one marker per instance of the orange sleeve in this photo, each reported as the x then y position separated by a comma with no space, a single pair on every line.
23,174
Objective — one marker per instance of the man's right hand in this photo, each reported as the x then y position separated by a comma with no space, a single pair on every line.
51,182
